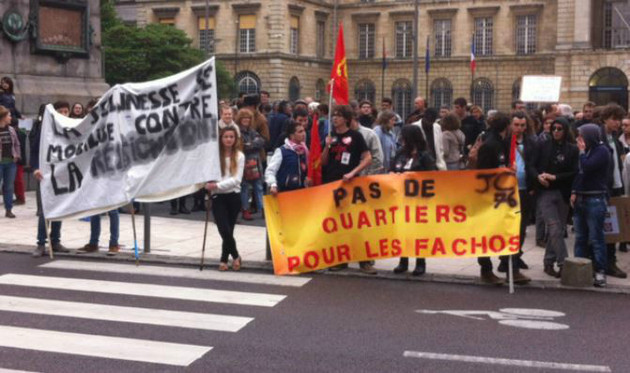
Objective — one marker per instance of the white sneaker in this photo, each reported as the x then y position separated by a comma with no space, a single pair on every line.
600,280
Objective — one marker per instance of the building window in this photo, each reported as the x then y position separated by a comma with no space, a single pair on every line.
483,36
167,21
483,94
366,41
247,34
616,18
295,35
294,89
206,37
441,93
442,31
321,39
404,40
526,34
401,94
320,90
247,82
364,90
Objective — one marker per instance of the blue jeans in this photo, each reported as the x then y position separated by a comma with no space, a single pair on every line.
258,189
7,178
114,228
588,220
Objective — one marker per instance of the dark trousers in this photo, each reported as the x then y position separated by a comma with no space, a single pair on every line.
225,209
526,213
182,203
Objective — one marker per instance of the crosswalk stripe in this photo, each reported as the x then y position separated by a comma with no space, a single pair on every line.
2,370
101,346
149,316
146,290
253,278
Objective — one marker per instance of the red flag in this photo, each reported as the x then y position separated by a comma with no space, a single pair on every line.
513,145
339,73
315,154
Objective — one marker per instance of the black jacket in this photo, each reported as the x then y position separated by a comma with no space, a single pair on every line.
559,159
495,153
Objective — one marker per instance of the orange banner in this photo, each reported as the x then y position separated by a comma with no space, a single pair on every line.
433,214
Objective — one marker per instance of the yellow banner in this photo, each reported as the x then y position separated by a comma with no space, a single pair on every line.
434,214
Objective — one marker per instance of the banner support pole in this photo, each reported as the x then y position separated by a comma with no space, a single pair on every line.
135,240
205,235
511,274
50,245
330,108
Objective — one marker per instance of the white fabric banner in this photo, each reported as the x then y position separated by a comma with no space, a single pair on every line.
150,141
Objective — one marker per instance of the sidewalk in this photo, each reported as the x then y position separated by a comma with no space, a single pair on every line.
179,241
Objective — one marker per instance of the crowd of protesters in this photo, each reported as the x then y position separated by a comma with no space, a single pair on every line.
568,164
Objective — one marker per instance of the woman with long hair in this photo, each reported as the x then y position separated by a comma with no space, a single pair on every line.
226,201
252,143
454,142
412,156
78,111
10,154
7,97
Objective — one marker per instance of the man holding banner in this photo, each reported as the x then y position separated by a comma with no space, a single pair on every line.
494,154
346,154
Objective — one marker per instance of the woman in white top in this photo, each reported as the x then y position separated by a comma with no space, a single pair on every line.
226,200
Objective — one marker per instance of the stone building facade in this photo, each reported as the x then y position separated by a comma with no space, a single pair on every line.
286,46
51,50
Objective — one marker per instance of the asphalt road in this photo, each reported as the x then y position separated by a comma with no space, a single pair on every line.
330,324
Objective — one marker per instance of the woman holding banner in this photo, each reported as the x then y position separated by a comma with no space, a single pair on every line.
412,156
226,201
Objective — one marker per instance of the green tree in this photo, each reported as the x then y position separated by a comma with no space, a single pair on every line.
137,54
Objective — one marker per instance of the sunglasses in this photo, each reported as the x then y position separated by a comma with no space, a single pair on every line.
558,129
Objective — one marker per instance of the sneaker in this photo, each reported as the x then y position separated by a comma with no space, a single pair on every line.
551,271
421,268
600,280
488,277
113,250
9,214
88,249
338,268
615,271
368,269
247,215
39,251
521,279
59,248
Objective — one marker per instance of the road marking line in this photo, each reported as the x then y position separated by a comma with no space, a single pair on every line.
101,346
252,278
149,316
509,362
145,290
2,370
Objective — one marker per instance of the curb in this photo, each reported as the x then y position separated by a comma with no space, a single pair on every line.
350,272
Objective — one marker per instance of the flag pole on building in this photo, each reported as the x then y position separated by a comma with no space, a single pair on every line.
427,68
384,66
473,65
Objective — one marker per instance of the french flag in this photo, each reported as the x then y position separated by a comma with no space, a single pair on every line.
473,62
